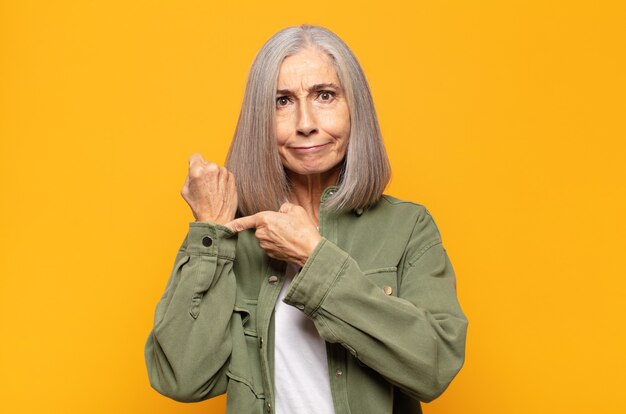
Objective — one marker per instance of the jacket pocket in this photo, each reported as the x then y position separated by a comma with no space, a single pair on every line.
240,398
385,277
247,309
245,365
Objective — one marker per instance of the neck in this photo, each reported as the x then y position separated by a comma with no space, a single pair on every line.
306,190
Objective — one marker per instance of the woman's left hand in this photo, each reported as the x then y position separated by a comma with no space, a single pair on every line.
288,234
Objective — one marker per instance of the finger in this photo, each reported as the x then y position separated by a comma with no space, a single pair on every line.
231,189
195,158
185,190
222,178
285,207
195,170
232,184
244,223
196,165
209,170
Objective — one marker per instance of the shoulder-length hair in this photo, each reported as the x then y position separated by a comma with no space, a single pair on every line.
253,158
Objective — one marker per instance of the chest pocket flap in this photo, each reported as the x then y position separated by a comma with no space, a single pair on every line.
386,278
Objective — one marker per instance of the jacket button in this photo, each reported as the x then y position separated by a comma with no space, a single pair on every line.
300,306
272,279
269,407
388,290
207,241
339,373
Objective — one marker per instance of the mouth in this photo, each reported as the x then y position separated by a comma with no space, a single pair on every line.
310,148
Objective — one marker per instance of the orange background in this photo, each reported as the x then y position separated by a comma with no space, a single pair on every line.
506,119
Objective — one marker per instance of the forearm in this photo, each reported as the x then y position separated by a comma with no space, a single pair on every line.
189,346
416,341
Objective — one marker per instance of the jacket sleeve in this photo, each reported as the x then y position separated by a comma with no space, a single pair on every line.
416,340
188,349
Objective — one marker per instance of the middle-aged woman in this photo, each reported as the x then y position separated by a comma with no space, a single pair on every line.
324,295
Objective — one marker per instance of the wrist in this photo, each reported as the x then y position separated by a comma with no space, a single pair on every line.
312,245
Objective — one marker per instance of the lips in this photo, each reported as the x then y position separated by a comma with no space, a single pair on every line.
310,148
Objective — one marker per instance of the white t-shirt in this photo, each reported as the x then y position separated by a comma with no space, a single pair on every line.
300,366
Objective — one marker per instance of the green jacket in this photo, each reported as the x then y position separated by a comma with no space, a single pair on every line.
379,288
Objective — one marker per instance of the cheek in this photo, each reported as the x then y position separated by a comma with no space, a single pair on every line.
340,127
346,127
345,133
335,124
282,131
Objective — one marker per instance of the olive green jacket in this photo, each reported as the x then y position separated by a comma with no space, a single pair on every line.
379,288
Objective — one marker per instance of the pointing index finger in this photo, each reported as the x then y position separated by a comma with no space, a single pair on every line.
244,223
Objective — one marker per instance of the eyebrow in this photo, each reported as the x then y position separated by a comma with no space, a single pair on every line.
315,88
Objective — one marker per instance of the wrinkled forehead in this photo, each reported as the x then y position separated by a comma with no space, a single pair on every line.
307,68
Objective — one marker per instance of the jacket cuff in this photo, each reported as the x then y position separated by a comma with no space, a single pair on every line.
309,288
209,239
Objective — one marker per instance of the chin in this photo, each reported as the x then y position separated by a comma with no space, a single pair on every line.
306,171
312,169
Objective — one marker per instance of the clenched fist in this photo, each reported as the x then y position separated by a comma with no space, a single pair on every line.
210,191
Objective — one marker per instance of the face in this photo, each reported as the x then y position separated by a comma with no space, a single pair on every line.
312,114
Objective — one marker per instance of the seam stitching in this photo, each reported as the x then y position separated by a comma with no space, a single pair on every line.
423,250
319,304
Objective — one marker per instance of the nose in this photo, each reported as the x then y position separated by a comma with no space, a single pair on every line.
306,123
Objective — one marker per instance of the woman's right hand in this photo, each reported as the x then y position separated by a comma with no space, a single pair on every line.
210,191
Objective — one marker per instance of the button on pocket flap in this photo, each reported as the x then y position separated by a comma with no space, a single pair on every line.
384,277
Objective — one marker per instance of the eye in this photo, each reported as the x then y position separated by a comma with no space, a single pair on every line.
282,101
326,95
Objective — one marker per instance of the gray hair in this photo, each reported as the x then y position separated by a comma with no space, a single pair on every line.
253,158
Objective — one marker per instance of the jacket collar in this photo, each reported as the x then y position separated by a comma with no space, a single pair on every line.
330,190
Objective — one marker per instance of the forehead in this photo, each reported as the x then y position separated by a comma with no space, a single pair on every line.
307,67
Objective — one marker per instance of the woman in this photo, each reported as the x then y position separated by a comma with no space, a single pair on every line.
324,296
